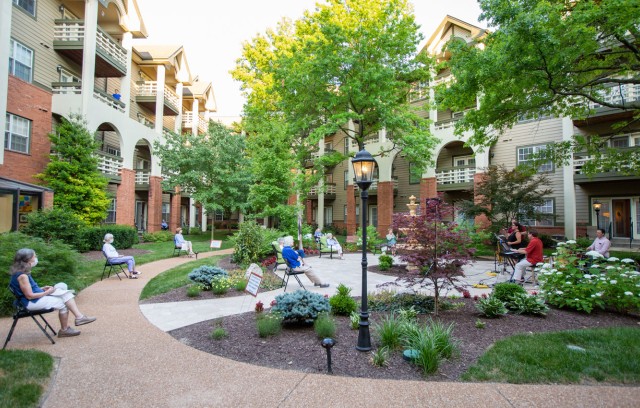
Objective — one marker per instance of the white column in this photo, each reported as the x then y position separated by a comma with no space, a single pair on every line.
204,219
160,98
5,38
89,52
568,185
482,160
320,214
125,82
179,90
192,213
194,114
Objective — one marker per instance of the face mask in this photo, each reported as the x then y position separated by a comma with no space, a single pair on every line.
34,263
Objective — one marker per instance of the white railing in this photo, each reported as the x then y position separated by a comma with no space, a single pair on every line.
454,175
109,100
142,176
203,125
73,31
367,141
330,189
618,95
445,124
109,164
66,88
187,122
150,88
374,185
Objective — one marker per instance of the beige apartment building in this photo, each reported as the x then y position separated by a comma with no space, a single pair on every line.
570,207
90,57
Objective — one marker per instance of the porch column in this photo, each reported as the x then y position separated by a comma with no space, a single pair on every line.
176,201
385,206
47,199
195,118
569,189
308,213
320,213
6,9
126,198
89,52
160,99
125,83
155,204
203,219
178,126
351,210
480,220
192,212
428,189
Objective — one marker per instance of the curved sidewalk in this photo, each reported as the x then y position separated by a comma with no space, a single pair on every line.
122,360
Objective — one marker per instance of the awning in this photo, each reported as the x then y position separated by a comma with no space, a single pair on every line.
14,185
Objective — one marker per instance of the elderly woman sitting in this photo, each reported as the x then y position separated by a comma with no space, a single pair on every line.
334,244
115,258
181,243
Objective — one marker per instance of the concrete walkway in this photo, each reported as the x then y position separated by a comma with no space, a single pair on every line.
124,360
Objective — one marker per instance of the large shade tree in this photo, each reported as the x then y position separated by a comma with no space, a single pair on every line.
550,57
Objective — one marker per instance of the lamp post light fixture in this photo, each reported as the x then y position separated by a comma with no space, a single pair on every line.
597,205
364,166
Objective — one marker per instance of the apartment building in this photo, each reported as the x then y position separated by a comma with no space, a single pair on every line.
570,207
90,57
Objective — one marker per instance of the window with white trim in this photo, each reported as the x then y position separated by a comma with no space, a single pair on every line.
328,215
111,212
166,211
20,61
27,5
344,214
219,215
17,133
545,220
525,155
346,179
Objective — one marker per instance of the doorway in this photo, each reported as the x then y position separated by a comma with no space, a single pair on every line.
373,215
621,218
141,215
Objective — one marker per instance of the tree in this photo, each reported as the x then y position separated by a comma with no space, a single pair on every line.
212,168
504,194
438,250
73,174
550,57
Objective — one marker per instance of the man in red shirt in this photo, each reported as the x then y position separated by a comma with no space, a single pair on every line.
534,255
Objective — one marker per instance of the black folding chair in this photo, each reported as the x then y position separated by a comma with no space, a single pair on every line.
112,264
290,272
21,312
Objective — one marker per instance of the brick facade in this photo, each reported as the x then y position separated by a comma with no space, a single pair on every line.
176,200
154,204
351,210
480,220
125,198
33,103
385,207
47,199
428,189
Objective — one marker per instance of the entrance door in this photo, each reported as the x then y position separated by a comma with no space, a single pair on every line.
373,215
141,215
621,218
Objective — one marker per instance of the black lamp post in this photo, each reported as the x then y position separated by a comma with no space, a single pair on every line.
596,207
364,166
436,220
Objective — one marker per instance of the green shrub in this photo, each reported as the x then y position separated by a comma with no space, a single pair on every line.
547,241
442,337
218,333
506,290
354,317
525,304
480,324
389,301
203,275
301,306
55,224
427,358
269,324
379,357
385,262
220,284
92,238
342,303
193,290
491,307
408,314
390,331
57,262
324,326
159,236
584,242
252,242
372,237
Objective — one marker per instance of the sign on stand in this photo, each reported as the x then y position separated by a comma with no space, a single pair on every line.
254,284
216,244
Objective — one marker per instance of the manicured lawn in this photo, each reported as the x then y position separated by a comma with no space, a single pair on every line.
25,373
604,355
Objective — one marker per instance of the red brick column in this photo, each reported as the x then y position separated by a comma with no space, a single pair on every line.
351,210
428,189
292,200
480,220
155,204
385,206
47,199
126,198
308,212
176,200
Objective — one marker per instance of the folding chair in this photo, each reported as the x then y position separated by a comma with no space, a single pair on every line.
290,272
21,311
278,253
178,248
325,248
111,265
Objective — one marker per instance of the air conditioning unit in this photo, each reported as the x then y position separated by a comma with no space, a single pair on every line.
458,115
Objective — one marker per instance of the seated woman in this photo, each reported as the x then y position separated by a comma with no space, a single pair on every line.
114,257
317,234
517,238
180,242
33,297
391,241
334,244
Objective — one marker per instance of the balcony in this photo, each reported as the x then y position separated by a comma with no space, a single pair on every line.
329,192
601,174
146,92
373,189
68,40
623,94
455,178
109,165
75,88
371,139
142,176
187,122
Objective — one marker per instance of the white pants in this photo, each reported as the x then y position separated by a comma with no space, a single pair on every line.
48,302
520,268
309,273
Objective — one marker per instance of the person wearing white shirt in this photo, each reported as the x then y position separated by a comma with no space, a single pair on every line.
115,258
601,244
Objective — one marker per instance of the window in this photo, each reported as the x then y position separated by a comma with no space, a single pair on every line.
344,214
219,215
166,211
525,155
545,220
328,215
111,213
346,146
620,142
328,147
20,61
17,133
346,179
414,176
27,5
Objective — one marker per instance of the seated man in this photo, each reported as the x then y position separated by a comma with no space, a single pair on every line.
180,242
294,260
533,253
334,244
281,247
601,244
164,225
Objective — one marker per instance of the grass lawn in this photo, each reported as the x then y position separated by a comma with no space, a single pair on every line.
24,375
605,355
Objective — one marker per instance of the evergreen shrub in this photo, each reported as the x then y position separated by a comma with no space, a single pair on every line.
53,224
301,306
92,238
385,262
342,303
505,291
159,236
203,275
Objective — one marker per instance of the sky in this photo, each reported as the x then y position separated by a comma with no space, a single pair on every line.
212,33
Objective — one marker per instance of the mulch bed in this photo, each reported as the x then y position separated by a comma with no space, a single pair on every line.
298,348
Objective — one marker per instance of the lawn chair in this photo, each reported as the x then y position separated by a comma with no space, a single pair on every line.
290,272
325,248
278,253
113,264
177,248
21,312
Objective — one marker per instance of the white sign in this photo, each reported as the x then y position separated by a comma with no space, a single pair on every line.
253,268
216,244
253,284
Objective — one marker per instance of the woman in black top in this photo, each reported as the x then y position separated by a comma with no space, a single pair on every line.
515,240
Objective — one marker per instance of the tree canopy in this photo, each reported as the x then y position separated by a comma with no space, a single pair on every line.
550,57
72,172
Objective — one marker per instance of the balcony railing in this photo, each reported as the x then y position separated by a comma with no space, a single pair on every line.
455,175
109,164
142,176
75,88
330,189
150,88
374,185
618,95
73,31
367,141
187,122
